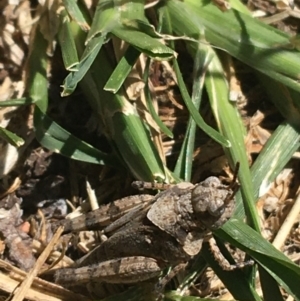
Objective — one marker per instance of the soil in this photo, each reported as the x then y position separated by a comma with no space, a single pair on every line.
37,184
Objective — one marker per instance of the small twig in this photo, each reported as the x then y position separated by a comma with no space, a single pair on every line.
281,16
290,298
21,292
92,196
40,289
13,187
39,247
151,4
287,225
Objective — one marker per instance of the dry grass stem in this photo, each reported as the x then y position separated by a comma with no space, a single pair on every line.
287,225
21,292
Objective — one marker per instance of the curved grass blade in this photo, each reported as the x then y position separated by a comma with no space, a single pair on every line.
134,145
92,50
152,47
193,111
183,166
135,29
282,269
48,133
121,124
106,18
249,40
76,14
251,195
230,125
125,129
57,139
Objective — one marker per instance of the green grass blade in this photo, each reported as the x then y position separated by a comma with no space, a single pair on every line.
76,14
192,274
270,162
274,156
120,73
152,47
16,102
65,37
127,132
48,133
192,26
132,10
282,269
11,138
57,139
37,83
183,166
270,289
150,106
128,136
285,99
235,281
249,40
194,112
71,81
135,29
106,17
230,125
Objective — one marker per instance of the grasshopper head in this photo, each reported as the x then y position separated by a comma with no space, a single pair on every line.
213,202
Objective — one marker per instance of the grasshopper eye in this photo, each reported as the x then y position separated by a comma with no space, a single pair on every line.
212,210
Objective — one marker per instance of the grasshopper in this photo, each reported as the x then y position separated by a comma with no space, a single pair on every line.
149,233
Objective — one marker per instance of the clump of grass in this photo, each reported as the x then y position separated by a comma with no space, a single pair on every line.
136,141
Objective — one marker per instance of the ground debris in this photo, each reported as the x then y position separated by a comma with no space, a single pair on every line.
17,242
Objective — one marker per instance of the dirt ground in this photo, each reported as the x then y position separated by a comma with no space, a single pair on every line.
38,186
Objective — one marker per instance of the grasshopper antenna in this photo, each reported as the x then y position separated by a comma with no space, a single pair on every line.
234,185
